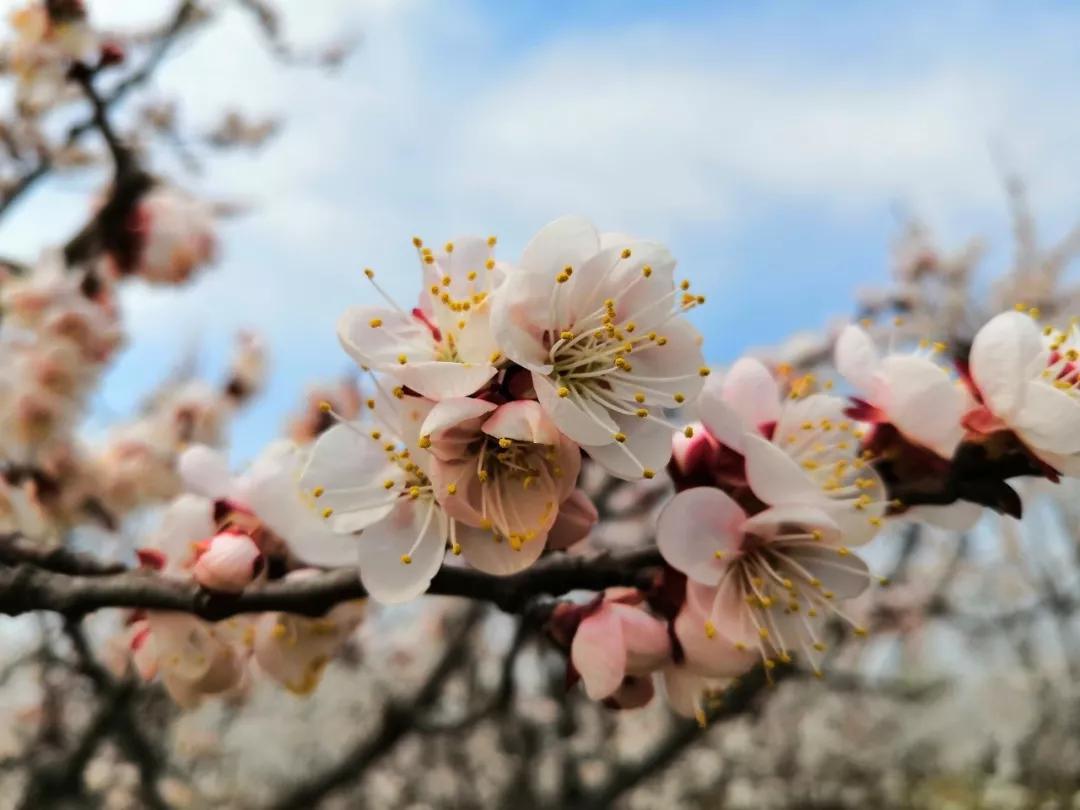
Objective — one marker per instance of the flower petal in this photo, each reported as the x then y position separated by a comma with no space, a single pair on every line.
413,528
774,476
752,392
437,380
205,472
581,422
1001,356
492,555
522,420
856,357
598,653
695,525
568,240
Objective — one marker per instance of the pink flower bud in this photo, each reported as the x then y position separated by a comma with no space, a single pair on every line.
577,516
230,562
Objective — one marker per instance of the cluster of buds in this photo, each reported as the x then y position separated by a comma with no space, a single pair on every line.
229,533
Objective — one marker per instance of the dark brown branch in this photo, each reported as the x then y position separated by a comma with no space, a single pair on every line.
25,588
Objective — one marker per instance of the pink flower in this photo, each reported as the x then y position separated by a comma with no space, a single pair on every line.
596,319
763,583
504,471
617,641
229,564
1027,381
444,347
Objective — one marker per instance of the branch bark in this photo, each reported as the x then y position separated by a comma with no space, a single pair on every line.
26,587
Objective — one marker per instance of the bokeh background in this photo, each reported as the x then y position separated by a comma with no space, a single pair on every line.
775,147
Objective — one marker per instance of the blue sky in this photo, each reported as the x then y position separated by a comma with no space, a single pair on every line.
769,144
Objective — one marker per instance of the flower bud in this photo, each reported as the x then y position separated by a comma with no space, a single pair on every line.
230,562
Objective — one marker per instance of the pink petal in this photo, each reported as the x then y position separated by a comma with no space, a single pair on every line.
577,516
522,420
483,551
646,639
598,654
229,564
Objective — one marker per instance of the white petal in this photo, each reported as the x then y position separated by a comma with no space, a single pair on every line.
452,412
437,380
381,547
205,472
856,358
782,518
774,476
695,525
351,468
583,423
720,419
380,346
752,392
1050,419
566,241
923,402
844,574
1001,356
647,447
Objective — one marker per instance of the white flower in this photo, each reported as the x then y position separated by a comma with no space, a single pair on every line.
1028,381
909,391
442,348
372,478
597,320
801,451
763,583
921,401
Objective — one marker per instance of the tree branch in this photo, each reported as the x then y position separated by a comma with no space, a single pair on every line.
25,587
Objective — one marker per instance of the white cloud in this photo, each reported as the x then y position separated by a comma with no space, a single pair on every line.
671,130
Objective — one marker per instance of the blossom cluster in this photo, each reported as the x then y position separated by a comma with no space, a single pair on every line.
490,390
491,393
